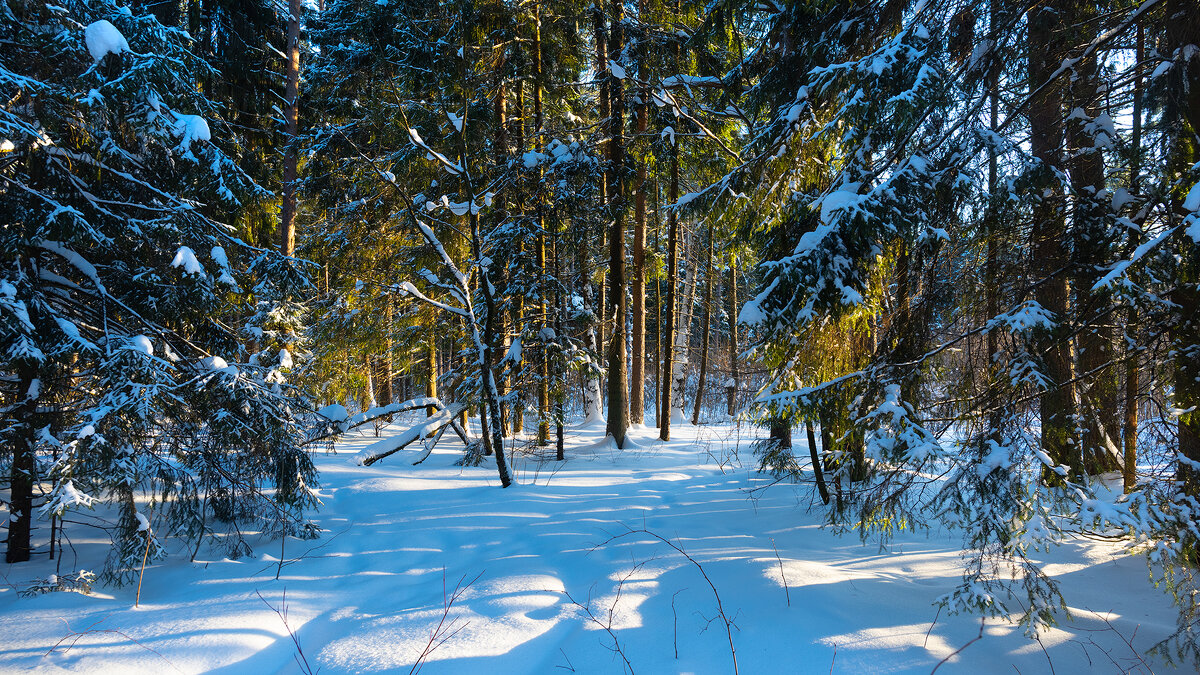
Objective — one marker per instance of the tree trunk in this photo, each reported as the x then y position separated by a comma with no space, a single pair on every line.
818,473
731,387
291,154
1096,340
24,466
664,414
1049,245
618,387
600,32
683,339
543,429
708,284
491,394
637,381
781,432
1132,375
992,226
560,393
1182,121
431,368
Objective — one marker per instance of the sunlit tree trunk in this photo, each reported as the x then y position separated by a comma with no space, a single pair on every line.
291,154
618,388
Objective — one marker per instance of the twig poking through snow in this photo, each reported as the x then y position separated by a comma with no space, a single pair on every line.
956,652
444,631
720,607
786,593
281,612
75,636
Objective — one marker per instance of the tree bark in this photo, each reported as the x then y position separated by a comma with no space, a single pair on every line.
818,473
732,387
1132,374
637,381
543,429
21,476
1049,245
291,154
1096,340
664,414
618,387
704,341
1182,121
431,367
992,227
600,33
683,336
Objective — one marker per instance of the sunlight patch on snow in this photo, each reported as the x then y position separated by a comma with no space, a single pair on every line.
895,637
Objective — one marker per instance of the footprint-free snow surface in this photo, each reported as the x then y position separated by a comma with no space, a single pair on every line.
531,561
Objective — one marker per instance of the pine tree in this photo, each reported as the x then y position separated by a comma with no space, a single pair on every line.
118,280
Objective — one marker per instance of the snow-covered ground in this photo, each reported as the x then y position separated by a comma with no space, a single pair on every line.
370,593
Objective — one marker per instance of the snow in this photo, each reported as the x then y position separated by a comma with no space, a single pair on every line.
142,344
191,128
186,258
218,364
1192,201
222,262
531,159
752,313
398,538
335,412
513,355
843,199
285,359
1027,316
103,38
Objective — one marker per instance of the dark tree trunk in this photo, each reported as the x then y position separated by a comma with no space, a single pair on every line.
1182,119
21,478
637,376
1049,245
992,226
543,429
1132,373
600,32
732,387
664,412
818,471
704,341
1096,341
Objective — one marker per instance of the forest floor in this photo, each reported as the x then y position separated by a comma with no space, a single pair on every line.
530,562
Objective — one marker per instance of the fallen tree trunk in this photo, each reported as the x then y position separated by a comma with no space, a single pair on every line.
342,421
446,416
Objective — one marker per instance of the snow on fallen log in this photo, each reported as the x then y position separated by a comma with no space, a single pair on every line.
389,446
341,421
